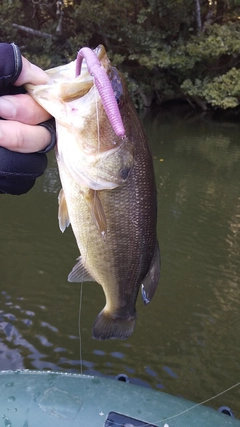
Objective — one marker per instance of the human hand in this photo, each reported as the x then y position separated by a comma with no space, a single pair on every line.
23,143
31,74
19,131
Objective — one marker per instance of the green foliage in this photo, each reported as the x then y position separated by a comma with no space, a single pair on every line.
156,43
222,91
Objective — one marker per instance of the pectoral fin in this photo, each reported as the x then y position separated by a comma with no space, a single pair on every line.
79,273
151,279
63,217
95,206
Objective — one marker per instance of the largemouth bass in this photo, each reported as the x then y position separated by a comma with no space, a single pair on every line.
108,191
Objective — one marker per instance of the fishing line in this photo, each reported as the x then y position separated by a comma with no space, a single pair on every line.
190,408
197,404
79,327
97,116
81,284
98,124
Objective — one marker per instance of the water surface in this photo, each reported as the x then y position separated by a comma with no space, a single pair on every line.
187,341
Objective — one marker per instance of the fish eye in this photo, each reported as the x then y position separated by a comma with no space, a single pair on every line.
120,101
124,173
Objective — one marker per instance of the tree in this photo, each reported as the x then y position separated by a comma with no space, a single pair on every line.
168,50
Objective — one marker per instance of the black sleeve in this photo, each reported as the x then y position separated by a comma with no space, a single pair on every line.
10,65
19,171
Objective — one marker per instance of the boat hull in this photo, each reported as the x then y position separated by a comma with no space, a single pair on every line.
41,398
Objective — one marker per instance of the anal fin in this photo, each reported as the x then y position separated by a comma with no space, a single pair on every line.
79,273
150,281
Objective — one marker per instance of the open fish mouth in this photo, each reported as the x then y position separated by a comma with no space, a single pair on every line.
92,67
81,79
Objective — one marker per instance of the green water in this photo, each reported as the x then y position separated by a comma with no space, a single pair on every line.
187,341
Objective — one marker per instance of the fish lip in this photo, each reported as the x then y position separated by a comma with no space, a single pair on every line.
100,52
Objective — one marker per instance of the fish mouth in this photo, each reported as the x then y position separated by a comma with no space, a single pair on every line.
99,68
83,82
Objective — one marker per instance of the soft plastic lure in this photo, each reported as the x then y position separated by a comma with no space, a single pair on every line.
103,86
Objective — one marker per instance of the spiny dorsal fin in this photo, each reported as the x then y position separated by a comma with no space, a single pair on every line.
79,273
150,281
63,218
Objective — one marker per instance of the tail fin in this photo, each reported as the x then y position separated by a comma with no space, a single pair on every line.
106,326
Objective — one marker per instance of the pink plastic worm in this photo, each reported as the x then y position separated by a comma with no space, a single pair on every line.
103,86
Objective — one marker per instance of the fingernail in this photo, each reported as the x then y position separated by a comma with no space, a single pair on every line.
7,109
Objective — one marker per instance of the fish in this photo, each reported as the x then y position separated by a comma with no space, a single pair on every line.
108,190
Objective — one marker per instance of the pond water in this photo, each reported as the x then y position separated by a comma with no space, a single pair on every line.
187,340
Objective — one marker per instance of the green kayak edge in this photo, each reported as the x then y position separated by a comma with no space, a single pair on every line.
49,399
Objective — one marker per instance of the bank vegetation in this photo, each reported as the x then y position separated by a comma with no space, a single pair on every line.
169,50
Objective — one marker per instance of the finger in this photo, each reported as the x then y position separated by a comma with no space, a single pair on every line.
31,74
23,138
22,108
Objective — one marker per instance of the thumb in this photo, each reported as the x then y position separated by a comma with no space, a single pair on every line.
31,74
